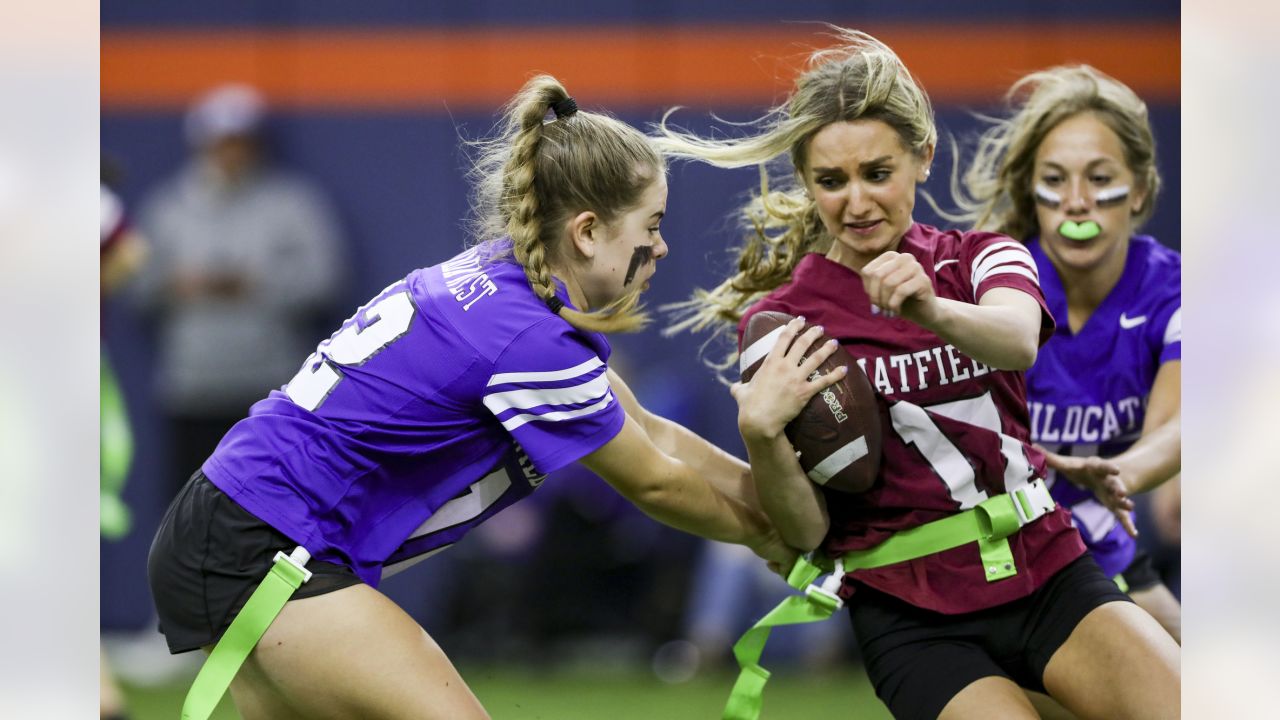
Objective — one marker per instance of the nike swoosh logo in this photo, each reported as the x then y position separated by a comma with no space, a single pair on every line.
938,267
1129,323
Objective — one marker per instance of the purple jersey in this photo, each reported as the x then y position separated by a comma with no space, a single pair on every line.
955,430
446,398
1088,391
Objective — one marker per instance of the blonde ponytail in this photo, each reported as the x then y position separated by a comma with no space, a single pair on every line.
537,174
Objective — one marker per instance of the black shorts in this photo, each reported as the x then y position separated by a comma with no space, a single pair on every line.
1141,573
918,659
207,558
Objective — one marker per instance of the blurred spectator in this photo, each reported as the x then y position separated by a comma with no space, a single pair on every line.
121,252
245,257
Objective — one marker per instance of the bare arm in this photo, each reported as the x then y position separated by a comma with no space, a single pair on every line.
1148,463
1002,330
1157,456
775,395
729,474
675,493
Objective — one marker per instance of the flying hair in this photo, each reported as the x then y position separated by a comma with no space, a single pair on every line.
857,78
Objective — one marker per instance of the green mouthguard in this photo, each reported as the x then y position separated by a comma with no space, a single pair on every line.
1079,232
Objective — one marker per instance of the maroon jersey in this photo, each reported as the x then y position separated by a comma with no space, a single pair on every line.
956,430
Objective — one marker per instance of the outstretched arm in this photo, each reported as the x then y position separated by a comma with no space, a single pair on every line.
1157,456
675,492
1148,463
1002,330
729,474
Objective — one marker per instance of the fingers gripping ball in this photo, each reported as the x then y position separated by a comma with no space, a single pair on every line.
837,434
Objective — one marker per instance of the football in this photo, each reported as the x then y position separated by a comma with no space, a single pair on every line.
837,434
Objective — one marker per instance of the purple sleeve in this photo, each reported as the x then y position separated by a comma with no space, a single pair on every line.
549,390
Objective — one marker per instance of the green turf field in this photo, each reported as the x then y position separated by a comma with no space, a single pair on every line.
519,695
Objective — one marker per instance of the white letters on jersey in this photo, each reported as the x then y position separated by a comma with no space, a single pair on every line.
386,320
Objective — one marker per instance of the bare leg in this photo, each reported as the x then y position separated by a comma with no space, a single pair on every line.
350,653
990,697
1117,664
1163,606
1047,707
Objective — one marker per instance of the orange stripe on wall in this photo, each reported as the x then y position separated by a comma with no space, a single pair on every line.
473,69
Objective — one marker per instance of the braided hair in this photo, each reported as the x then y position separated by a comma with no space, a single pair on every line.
537,174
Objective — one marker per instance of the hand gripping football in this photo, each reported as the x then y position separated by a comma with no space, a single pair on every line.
837,434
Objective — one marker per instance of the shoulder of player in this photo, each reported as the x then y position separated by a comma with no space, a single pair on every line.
1161,260
797,296
489,307
941,245
1159,279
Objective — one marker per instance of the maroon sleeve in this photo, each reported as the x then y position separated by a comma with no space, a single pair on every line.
993,260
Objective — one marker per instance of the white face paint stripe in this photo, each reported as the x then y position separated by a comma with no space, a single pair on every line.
1048,196
839,460
1114,194
1111,194
758,349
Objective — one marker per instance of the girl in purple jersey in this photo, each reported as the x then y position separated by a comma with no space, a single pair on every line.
580,197
833,239
1072,170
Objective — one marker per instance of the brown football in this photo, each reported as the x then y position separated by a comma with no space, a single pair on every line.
837,434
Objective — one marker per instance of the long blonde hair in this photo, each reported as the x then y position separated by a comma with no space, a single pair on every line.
535,175
997,189
859,78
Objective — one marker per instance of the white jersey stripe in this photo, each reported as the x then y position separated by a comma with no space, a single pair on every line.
1009,270
500,402
981,270
758,349
1005,245
1173,331
839,460
516,421
402,565
547,376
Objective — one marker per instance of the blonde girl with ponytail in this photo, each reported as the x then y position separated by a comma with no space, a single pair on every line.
450,395
943,324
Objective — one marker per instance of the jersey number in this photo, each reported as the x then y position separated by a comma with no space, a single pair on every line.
915,427
385,321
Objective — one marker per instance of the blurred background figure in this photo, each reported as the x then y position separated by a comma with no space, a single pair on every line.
246,259
121,251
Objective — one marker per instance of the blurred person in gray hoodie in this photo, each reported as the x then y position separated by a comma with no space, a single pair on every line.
245,256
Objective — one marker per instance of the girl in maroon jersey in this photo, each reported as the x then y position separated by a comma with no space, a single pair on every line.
943,323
